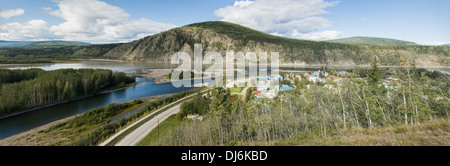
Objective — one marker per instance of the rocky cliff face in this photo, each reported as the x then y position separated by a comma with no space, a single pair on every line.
222,37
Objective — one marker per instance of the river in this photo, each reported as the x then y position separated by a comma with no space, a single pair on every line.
23,122
26,121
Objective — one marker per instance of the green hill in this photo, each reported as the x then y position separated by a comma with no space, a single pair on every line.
372,41
222,37
14,43
52,43
56,43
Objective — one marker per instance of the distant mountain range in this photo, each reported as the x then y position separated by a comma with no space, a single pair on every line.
223,37
52,43
372,41
445,45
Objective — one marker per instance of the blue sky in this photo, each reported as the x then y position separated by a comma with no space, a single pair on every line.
106,21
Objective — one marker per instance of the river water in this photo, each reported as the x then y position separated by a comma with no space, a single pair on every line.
19,123
26,121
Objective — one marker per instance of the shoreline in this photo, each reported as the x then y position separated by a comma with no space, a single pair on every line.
280,65
158,76
17,139
62,102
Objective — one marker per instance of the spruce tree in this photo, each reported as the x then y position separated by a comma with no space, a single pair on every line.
375,77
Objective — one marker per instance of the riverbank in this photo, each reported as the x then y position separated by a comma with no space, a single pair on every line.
54,61
65,101
159,76
39,137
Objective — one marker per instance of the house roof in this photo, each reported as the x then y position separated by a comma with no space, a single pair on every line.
286,88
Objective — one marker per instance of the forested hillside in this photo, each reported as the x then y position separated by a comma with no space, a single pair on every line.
222,37
24,89
25,55
51,43
317,113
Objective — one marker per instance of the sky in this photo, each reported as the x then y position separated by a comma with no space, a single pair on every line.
108,21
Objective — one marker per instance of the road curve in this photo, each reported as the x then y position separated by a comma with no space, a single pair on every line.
139,133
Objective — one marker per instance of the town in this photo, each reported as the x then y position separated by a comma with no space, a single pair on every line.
268,87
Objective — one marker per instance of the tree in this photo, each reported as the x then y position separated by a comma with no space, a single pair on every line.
374,74
23,89
375,77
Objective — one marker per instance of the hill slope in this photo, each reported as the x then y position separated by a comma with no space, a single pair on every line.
372,41
223,37
14,43
56,43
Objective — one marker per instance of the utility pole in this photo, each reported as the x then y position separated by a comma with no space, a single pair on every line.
158,133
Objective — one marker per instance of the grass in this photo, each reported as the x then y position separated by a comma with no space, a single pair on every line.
64,132
121,136
237,89
164,127
431,133
129,109
78,132
128,131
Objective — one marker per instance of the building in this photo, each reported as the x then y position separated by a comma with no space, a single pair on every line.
282,88
278,76
267,87
313,78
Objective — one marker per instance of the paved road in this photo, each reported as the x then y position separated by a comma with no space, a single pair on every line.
139,133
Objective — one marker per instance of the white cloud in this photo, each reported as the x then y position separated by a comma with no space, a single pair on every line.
97,21
46,9
8,14
324,35
91,21
31,30
289,18
242,3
